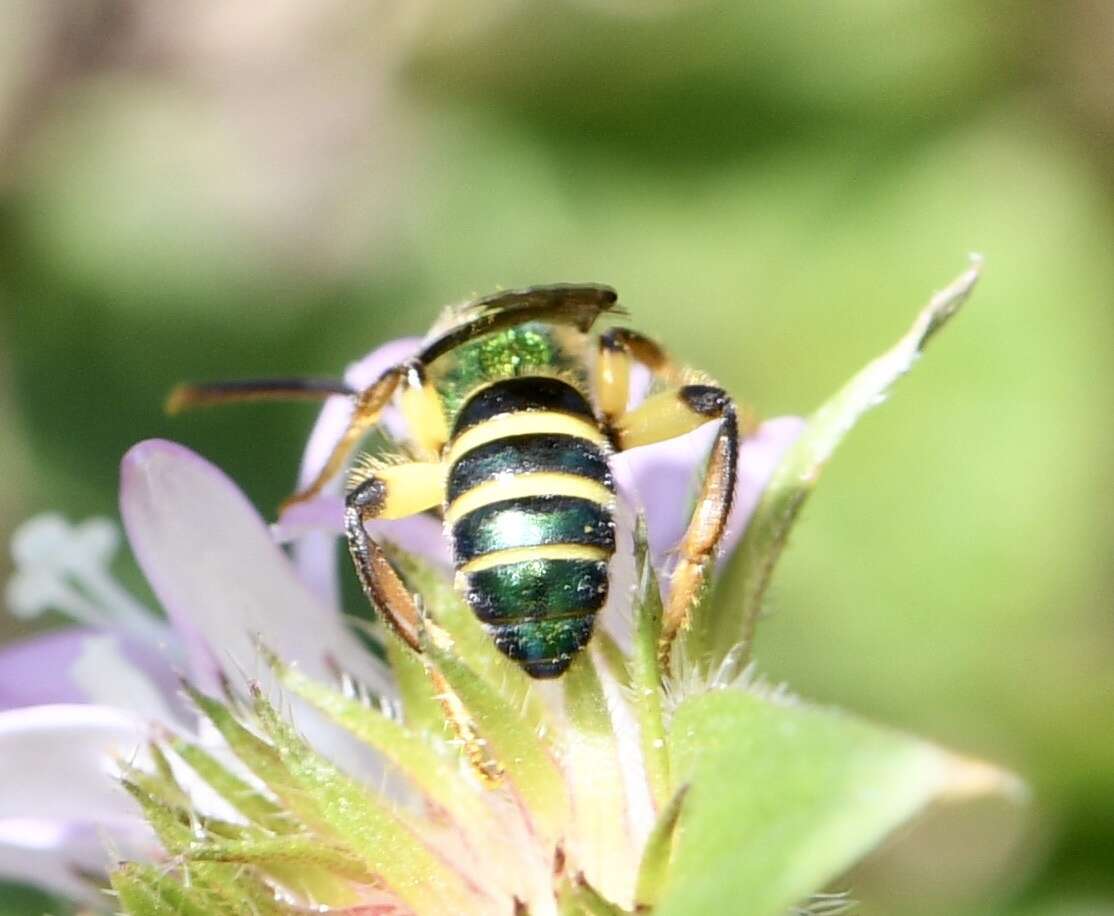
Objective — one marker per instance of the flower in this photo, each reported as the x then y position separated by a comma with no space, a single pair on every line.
223,584
446,782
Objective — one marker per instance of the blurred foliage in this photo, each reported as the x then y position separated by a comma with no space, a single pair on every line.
774,189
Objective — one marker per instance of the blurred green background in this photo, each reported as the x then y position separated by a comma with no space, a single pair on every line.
191,191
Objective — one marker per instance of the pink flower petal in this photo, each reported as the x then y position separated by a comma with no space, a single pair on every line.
664,479
224,583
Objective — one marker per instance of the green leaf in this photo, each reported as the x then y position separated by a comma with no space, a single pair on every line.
530,769
421,710
576,897
731,618
242,796
437,776
658,854
387,842
783,798
298,851
196,890
339,809
170,824
144,890
261,758
645,672
601,825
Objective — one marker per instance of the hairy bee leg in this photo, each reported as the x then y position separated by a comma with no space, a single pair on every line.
204,394
390,492
618,348
366,410
394,492
425,416
664,416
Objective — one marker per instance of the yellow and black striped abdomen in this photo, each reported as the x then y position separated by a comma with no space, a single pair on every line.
529,501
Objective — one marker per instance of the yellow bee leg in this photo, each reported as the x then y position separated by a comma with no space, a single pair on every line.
618,348
425,418
664,416
389,492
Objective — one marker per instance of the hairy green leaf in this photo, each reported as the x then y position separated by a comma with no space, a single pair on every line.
646,680
590,755
384,840
784,797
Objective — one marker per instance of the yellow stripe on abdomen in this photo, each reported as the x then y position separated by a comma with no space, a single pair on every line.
524,423
513,486
544,552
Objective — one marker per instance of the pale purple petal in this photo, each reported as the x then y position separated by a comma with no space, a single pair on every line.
324,513
664,479
33,671
40,669
422,535
213,564
60,762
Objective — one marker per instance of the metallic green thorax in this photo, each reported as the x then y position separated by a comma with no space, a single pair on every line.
530,349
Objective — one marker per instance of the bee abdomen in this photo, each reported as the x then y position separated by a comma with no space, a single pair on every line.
537,453
529,507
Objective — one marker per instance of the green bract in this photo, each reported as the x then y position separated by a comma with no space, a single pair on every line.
618,789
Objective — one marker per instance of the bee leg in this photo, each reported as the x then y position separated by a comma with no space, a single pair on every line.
367,407
394,491
663,416
618,348
425,416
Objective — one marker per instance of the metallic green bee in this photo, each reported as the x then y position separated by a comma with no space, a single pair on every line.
514,414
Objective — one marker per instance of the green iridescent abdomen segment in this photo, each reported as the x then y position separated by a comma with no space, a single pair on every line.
532,521
532,589
544,648
540,612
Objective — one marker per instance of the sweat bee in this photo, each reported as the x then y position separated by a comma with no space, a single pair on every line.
514,411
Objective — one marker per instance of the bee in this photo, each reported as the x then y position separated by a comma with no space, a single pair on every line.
514,411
